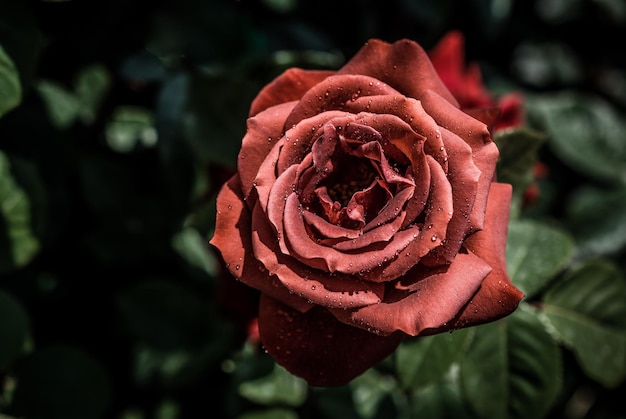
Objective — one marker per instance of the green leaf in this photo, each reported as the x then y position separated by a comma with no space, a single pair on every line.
270,414
214,119
193,248
65,106
597,220
535,253
513,369
21,38
278,387
14,329
164,315
425,360
518,155
20,244
91,85
61,104
61,382
441,400
10,87
369,391
587,311
130,126
586,132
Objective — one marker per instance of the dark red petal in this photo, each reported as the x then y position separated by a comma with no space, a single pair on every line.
288,86
299,138
484,151
434,305
512,115
489,116
321,257
233,234
275,211
404,65
429,236
464,178
497,297
311,285
411,112
328,230
319,348
333,92
463,81
263,132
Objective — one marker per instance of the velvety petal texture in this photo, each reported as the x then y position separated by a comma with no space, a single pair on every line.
365,210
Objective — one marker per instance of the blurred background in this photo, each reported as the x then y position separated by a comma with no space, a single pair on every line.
120,120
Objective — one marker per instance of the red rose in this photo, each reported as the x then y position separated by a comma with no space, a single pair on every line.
466,85
364,209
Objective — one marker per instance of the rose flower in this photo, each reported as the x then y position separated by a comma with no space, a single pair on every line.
466,85
365,210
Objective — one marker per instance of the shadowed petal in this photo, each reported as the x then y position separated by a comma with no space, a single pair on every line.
317,347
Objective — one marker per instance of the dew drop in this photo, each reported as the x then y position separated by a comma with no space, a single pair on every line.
433,238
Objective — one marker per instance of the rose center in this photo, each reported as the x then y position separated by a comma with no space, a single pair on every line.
354,175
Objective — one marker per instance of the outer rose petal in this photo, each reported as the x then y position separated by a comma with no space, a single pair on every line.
290,85
233,238
317,347
438,298
263,132
404,65
497,297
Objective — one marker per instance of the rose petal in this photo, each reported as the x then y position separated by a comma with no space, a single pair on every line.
487,115
233,238
317,347
464,81
282,189
288,86
325,258
427,238
410,111
299,138
512,114
264,130
404,65
464,178
437,301
497,297
333,92
311,285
